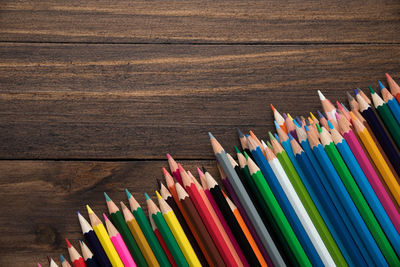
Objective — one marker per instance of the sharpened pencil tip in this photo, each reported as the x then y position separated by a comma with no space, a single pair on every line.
272,107
319,128
68,243
105,217
296,124
388,76
284,116
146,196
90,211
381,86
210,135
321,96
237,150
128,194
246,155
158,182
204,169
330,125
168,155
355,91
306,128
372,91
158,195
277,137
241,135
62,258
291,137
78,213
271,136
320,115
276,125
107,197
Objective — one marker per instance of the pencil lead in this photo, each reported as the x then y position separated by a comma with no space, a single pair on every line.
284,116
276,125
168,155
319,128
105,217
320,115
159,182
49,259
158,195
210,135
355,91
204,169
62,258
271,136
241,135
277,137
306,128
349,97
128,194
269,144
321,96
298,120
330,125
337,116
146,196
371,90
237,150
290,117
312,116
273,108
291,137
68,243
308,121
90,211
107,197
381,86
296,124
245,155
78,213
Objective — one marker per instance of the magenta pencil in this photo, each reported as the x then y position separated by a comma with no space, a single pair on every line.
222,219
119,244
369,172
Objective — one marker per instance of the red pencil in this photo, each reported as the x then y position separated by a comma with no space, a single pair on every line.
74,256
173,166
394,87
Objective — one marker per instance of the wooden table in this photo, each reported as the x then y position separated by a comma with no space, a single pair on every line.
93,94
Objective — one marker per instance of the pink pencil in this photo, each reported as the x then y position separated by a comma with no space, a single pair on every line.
119,244
369,172
221,218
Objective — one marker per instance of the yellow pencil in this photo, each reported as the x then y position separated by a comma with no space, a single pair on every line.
178,232
104,239
139,236
377,158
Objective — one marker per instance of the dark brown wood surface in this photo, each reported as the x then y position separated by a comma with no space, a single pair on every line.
94,93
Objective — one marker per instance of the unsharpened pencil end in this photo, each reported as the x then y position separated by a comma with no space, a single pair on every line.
107,197
128,194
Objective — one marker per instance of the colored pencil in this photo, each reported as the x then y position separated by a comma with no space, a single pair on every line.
279,118
104,239
299,208
367,197
327,106
327,209
93,242
289,125
74,256
379,161
119,222
370,173
203,234
284,203
139,236
88,256
64,262
245,230
166,233
246,202
266,214
322,120
162,242
144,224
387,116
347,203
222,219
391,102
307,202
119,244
52,263
174,168
178,233
234,226
39,265
243,142
394,87
380,133
275,208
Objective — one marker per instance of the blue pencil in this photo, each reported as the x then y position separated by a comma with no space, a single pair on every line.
394,106
285,204
366,189
347,203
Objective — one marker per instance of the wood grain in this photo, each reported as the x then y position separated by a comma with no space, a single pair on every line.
274,21
40,200
142,101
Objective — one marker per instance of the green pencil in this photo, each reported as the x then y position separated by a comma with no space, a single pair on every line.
386,116
166,233
357,197
119,222
147,230
307,202
278,214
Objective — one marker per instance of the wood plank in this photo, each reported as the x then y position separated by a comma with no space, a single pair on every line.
40,200
142,101
274,21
